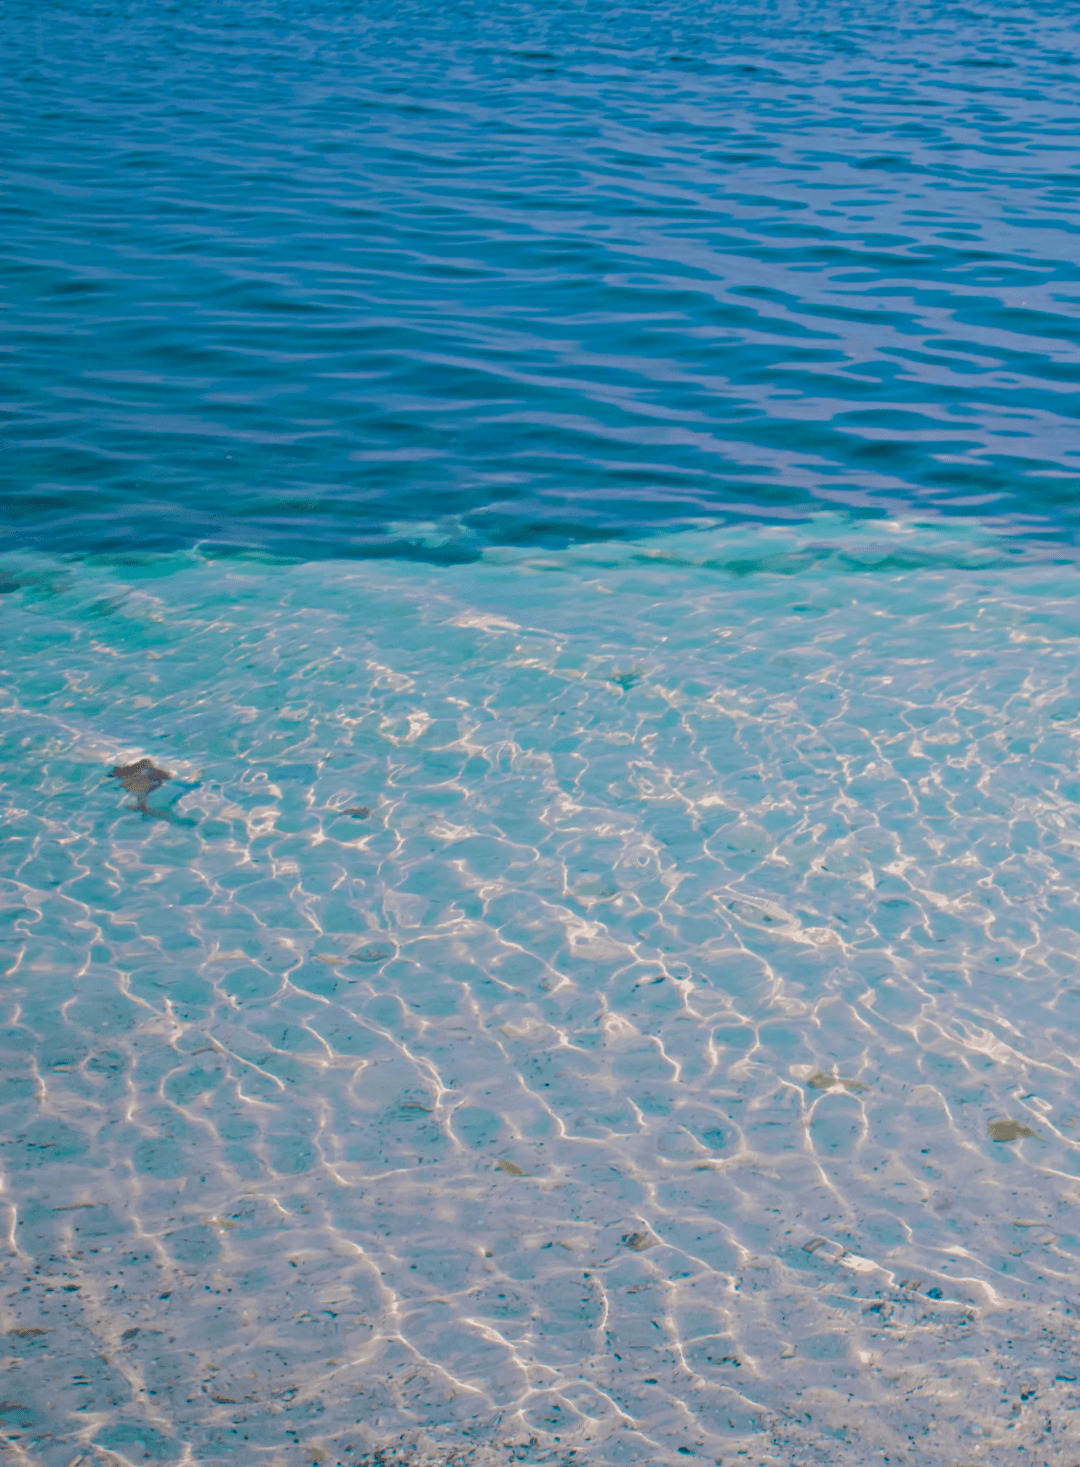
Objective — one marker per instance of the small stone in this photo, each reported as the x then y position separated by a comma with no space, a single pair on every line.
1009,1130
828,1082
140,778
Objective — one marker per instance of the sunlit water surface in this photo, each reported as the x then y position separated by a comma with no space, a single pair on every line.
622,1083
582,501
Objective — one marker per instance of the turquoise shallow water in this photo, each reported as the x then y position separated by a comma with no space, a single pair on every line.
581,502
621,1083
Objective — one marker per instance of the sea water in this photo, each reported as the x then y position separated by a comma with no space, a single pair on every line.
618,1078
418,278
579,504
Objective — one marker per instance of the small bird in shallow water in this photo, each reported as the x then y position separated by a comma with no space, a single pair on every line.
141,778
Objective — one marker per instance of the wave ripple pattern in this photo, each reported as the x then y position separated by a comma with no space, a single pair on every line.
635,1025
415,279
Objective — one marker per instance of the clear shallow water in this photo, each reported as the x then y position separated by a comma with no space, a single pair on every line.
660,840
420,279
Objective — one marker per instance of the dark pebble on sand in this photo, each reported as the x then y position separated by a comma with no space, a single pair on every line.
140,778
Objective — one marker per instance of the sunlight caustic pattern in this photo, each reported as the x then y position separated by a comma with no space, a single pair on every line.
618,1005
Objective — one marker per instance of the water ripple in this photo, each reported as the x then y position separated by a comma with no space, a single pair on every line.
427,279
560,1011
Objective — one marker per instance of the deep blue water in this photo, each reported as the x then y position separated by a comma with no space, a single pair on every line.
334,279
